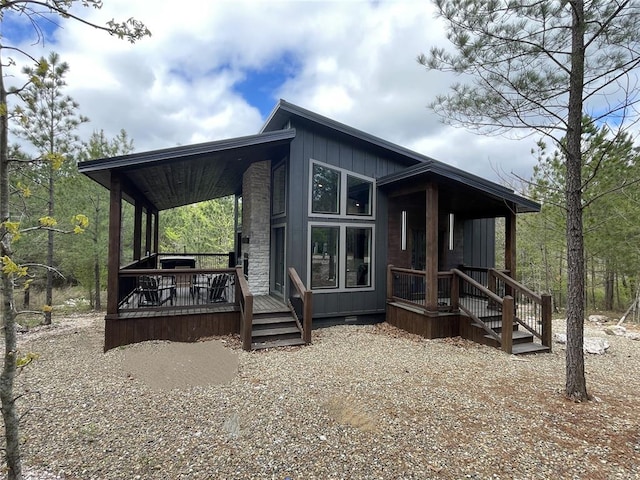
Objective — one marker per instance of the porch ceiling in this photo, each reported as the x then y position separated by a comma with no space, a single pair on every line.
183,175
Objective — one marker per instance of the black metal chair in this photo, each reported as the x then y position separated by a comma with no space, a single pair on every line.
150,293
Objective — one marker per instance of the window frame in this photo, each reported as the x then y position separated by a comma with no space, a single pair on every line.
343,195
282,165
342,256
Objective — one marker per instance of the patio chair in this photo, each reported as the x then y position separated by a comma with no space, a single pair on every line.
151,293
218,289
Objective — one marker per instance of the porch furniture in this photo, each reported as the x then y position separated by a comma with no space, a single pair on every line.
218,288
151,291
199,283
178,262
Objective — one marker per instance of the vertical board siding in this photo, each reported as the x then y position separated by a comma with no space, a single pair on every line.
176,328
479,242
318,145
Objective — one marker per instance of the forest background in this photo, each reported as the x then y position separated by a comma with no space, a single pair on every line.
46,129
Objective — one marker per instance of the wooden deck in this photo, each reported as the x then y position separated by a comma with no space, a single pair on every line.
180,322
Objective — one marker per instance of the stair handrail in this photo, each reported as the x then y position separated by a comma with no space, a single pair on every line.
485,291
307,303
543,300
244,298
515,285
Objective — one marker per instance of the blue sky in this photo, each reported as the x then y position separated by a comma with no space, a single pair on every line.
216,69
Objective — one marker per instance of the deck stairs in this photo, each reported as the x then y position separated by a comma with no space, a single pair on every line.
275,326
522,340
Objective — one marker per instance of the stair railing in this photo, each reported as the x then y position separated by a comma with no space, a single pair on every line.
531,310
244,298
298,294
476,299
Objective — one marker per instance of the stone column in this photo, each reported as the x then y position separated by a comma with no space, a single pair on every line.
256,225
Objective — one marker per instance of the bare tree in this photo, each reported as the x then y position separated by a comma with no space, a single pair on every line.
36,11
538,66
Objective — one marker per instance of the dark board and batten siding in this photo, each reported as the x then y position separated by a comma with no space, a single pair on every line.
316,145
479,242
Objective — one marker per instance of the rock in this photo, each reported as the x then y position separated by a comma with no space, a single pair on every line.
598,318
633,336
617,330
232,426
596,345
560,338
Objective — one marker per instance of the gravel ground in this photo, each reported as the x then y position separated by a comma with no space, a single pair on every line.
362,402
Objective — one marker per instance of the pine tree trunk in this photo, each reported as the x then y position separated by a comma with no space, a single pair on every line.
609,277
49,288
7,400
576,385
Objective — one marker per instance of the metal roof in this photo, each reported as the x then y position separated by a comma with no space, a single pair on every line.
418,165
182,175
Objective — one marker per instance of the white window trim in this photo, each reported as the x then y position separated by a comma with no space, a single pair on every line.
342,257
342,214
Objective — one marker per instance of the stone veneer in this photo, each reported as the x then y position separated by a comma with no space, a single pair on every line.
256,224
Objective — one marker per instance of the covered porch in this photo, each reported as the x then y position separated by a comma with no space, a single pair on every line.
442,246
185,296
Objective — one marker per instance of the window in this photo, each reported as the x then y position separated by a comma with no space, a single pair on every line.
341,257
358,257
358,196
278,190
326,190
324,257
336,192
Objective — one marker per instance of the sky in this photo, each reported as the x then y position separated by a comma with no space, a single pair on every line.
215,69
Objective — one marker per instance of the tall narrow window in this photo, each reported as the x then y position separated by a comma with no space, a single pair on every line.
326,190
358,257
324,257
278,191
451,229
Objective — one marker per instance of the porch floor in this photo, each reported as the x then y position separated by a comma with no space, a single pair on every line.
261,304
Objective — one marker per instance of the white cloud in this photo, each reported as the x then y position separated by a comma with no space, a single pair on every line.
354,61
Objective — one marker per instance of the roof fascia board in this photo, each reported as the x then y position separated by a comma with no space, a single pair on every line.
137,159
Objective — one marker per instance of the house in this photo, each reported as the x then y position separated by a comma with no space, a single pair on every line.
333,225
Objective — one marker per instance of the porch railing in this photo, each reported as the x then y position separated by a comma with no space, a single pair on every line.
301,301
481,304
152,289
244,298
408,286
202,260
489,296
531,310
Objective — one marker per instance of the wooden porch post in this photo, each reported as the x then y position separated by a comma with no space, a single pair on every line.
431,266
510,243
113,263
137,231
147,230
156,232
